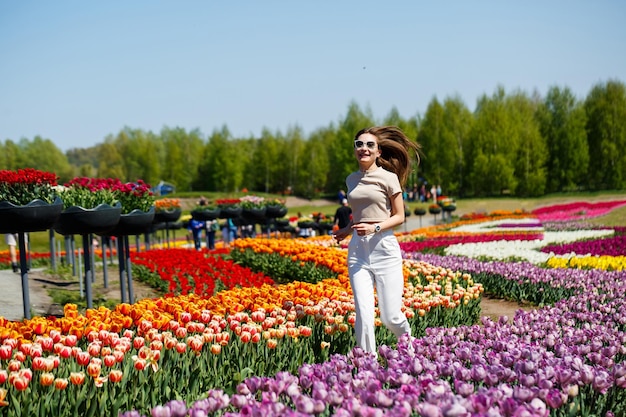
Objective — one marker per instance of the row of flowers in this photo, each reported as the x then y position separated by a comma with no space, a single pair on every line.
298,323
565,359
463,369
22,186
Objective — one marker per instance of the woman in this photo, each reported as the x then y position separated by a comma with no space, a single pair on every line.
374,258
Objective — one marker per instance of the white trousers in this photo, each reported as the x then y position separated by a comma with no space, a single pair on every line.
375,261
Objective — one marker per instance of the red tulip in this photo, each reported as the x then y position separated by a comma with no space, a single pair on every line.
109,361
115,375
39,364
140,364
6,352
82,358
14,365
20,383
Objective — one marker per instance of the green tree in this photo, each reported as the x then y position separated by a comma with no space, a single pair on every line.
141,153
430,137
182,156
111,163
290,156
492,141
220,165
266,164
12,156
606,134
458,121
562,122
531,154
492,173
44,155
443,135
316,167
84,160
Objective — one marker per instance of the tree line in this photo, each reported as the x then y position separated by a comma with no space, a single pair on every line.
513,142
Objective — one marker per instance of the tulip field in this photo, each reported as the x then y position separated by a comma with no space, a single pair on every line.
264,328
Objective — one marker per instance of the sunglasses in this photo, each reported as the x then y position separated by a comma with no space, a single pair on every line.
358,144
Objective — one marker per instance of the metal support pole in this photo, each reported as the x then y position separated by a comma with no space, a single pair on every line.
24,273
88,269
53,255
79,265
129,272
104,262
60,258
92,256
121,256
72,255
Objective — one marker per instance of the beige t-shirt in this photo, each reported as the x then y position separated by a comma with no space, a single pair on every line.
369,194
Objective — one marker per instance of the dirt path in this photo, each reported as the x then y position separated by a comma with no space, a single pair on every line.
494,308
41,284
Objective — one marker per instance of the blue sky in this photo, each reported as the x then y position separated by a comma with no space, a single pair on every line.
77,71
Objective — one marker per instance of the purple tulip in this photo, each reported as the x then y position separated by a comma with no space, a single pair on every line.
177,408
429,410
602,382
455,410
304,404
463,388
478,373
555,398
238,401
160,411
523,394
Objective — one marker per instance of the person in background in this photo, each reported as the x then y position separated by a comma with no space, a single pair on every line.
229,232
341,195
211,228
11,241
342,215
374,257
196,227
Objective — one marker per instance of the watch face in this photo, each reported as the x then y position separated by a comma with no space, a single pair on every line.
377,228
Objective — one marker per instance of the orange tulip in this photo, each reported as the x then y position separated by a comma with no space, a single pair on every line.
46,379
60,383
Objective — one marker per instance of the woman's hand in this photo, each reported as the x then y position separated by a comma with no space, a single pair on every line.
341,234
363,229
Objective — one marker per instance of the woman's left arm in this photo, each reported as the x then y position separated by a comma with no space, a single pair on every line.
397,213
396,218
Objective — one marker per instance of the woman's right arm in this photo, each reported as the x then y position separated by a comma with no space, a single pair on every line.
341,234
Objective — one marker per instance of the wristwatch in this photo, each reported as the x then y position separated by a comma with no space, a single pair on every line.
377,228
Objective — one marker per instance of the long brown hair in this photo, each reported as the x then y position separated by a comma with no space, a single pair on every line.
394,148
